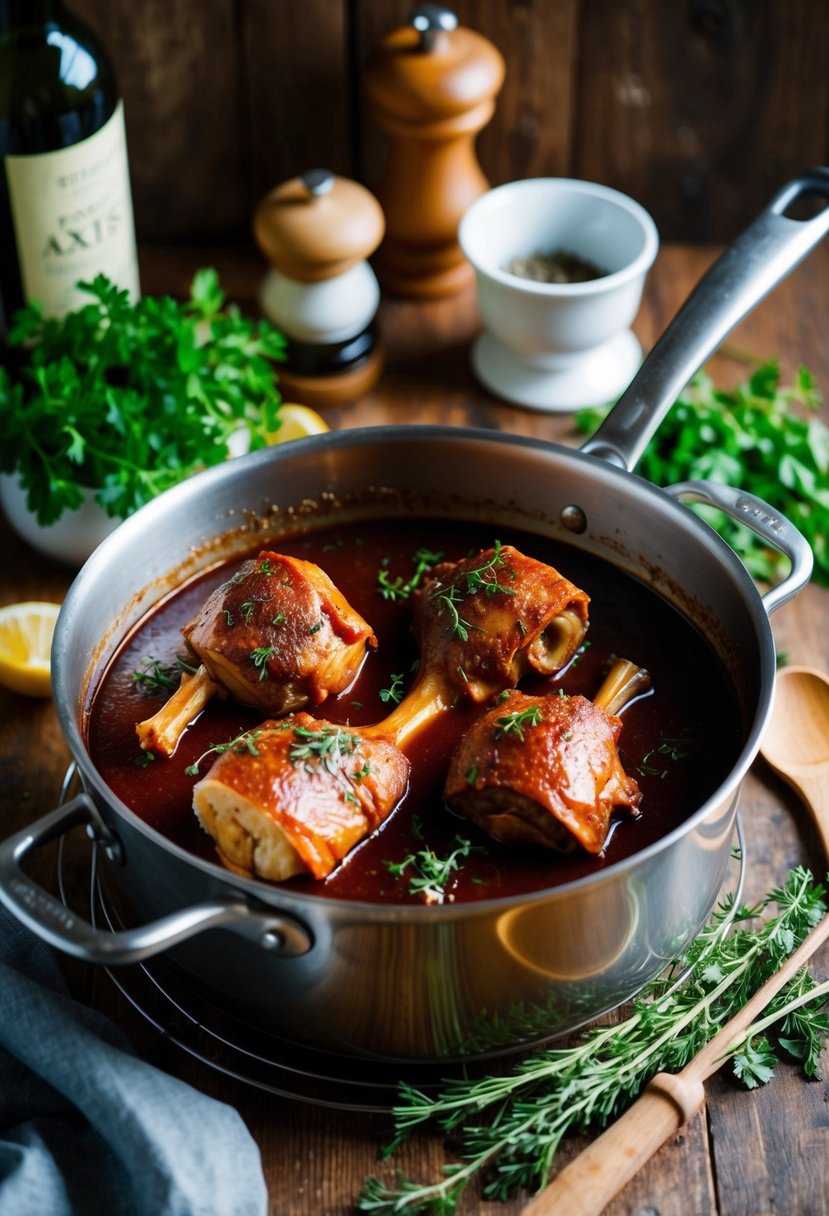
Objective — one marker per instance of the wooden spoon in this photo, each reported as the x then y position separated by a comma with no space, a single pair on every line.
796,740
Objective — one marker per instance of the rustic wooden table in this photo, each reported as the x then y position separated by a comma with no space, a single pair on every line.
745,1154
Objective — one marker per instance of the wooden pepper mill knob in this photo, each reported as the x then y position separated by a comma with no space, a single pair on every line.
317,231
430,87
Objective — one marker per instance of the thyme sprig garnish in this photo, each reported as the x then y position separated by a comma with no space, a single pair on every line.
469,582
430,873
396,590
246,741
514,723
394,693
325,745
153,674
259,657
670,747
249,606
581,1088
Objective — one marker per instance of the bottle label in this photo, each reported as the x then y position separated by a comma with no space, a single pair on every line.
72,215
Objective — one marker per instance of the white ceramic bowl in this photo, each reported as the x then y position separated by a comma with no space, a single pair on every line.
70,539
558,345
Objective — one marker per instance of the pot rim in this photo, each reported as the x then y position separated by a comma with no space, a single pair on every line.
67,700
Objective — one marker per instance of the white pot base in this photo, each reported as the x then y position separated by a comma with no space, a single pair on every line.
597,379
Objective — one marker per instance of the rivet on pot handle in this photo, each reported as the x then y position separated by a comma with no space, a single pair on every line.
60,927
761,256
777,531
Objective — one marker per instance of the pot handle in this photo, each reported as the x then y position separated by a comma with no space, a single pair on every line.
774,528
761,256
56,924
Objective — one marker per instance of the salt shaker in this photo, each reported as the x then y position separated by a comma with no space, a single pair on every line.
430,87
317,231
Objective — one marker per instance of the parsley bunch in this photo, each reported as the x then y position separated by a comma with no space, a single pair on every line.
129,399
752,439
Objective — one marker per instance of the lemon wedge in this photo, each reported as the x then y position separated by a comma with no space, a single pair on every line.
25,647
297,421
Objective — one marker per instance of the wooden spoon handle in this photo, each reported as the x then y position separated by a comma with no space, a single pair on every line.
590,1181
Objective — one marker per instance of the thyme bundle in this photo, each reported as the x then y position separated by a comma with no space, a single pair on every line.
584,1087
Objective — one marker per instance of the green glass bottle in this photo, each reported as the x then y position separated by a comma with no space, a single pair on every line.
65,203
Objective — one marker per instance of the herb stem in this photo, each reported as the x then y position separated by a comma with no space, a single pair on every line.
804,998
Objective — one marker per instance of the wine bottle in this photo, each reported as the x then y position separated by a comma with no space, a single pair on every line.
65,203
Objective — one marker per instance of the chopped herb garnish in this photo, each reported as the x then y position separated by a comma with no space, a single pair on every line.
514,723
249,606
279,619
394,693
153,674
468,583
430,873
316,628
230,620
325,745
246,741
397,589
672,748
259,657
143,759
472,774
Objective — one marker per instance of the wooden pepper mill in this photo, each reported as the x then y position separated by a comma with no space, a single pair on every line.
431,87
317,230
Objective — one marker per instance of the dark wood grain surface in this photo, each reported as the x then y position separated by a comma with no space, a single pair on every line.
700,110
745,1154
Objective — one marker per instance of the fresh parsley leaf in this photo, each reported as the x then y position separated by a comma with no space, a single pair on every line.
761,437
127,399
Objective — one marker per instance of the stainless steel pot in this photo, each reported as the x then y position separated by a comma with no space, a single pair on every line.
456,980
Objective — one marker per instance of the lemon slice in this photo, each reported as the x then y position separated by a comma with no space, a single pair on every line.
25,647
297,422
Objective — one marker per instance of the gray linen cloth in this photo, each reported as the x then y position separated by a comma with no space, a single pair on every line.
88,1129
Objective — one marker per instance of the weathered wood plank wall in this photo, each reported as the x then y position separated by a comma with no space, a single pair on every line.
698,108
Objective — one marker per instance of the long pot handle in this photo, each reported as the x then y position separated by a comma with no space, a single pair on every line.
56,924
759,258
774,528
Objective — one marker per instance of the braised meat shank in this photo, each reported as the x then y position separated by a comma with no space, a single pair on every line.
485,621
297,796
545,770
277,636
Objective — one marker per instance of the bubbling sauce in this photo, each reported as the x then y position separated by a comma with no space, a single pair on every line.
679,741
